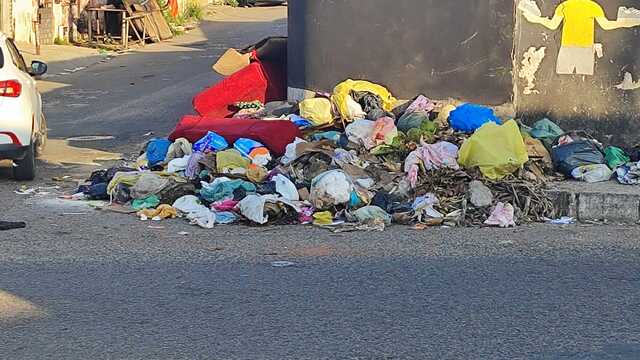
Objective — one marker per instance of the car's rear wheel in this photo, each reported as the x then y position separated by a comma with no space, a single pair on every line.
25,169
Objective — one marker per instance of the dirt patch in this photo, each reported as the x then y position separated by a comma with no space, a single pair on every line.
59,152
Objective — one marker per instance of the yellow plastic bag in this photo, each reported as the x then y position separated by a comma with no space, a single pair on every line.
317,110
498,150
342,92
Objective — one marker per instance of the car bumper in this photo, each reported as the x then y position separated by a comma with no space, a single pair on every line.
12,151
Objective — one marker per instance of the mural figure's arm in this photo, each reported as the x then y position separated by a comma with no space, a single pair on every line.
607,24
551,24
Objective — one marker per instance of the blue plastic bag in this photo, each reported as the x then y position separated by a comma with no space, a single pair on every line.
211,142
157,151
245,146
300,121
470,117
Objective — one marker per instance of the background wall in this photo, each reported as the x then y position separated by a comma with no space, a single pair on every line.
582,101
459,48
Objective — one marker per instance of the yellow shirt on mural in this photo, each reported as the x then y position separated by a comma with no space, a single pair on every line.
579,22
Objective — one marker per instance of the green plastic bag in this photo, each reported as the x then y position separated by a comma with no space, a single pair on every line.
546,131
615,157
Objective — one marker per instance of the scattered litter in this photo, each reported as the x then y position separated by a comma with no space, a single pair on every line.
565,220
282,264
9,225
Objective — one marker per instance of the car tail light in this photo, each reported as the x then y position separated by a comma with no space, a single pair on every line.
10,88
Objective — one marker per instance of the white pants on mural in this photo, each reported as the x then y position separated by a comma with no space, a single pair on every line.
576,60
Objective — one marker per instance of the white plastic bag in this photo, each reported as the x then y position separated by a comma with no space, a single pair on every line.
331,188
290,154
592,173
360,132
252,207
179,164
286,188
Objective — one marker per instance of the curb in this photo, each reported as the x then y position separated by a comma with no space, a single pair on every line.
585,205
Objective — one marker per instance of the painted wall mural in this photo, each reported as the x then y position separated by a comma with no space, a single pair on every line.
578,49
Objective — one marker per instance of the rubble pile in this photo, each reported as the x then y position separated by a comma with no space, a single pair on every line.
356,159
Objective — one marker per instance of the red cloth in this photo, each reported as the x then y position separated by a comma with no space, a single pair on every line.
275,135
173,6
254,82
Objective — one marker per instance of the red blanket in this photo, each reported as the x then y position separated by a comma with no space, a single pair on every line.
257,81
275,135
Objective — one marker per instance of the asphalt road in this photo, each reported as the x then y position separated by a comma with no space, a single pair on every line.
82,284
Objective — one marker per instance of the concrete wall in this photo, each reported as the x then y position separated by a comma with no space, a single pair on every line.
24,14
442,48
482,51
6,22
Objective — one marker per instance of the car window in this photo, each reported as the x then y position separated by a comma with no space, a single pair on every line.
18,61
1,59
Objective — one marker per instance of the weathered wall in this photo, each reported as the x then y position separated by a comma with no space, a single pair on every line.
457,48
583,101
24,14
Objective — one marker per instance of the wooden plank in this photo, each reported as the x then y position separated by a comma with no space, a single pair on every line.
144,24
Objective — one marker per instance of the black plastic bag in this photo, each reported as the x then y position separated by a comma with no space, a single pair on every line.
576,154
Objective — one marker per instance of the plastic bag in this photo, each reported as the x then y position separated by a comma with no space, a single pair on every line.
178,164
157,151
615,157
290,154
470,117
317,110
546,131
592,173
252,207
369,213
360,132
354,109
210,142
343,91
286,188
503,215
576,154
498,150
384,132
331,188
245,146
412,120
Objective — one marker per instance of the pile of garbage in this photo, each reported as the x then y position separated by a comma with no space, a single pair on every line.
355,159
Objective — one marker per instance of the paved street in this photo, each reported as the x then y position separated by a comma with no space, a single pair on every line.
83,284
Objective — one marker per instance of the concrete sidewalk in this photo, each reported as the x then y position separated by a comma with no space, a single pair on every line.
63,59
607,201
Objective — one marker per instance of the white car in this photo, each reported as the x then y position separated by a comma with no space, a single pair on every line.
23,128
